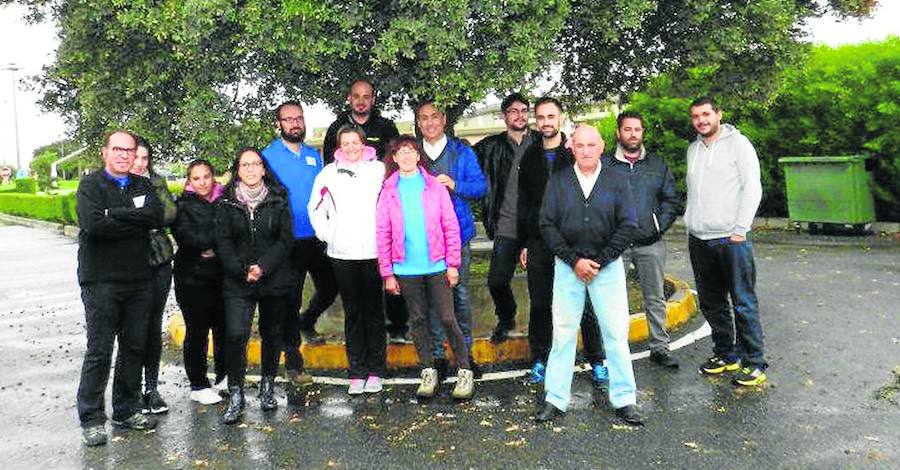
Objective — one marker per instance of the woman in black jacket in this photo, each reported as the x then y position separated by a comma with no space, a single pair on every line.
254,239
198,279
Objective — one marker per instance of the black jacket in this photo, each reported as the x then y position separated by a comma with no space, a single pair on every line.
379,131
598,227
655,198
534,171
114,236
495,156
195,232
263,237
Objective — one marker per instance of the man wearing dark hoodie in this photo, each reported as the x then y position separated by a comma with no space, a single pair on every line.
723,194
362,113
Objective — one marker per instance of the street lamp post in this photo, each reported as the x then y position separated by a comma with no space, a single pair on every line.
13,68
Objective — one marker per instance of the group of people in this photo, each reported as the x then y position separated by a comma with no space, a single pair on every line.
385,221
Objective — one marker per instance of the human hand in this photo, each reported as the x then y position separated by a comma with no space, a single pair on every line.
737,238
254,273
523,258
446,181
208,253
586,269
391,286
452,276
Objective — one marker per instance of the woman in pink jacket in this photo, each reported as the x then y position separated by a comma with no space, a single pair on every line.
418,256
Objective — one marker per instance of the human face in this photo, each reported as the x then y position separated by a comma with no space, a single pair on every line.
587,145
516,116
431,122
250,169
548,119
291,124
631,134
706,120
407,159
361,99
201,180
141,161
351,146
118,154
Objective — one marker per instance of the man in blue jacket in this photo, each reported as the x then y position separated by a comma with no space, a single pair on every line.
588,219
656,202
296,165
456,167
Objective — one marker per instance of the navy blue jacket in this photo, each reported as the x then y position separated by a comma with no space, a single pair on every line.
598,227
655,198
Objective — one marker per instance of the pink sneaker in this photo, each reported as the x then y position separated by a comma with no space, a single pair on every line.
373,384
357,386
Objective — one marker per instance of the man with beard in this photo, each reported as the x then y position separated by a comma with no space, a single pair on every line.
655,200
362,113
296,165
723,193
499,156
547,156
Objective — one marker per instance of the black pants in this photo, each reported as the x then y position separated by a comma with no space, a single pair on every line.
396,314
432,290
309,257
540,322
203,309
162,283
238,317
113,311
360,286
504,258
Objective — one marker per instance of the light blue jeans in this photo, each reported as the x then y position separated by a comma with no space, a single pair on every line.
609,297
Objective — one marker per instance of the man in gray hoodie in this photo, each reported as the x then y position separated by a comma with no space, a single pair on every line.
723,193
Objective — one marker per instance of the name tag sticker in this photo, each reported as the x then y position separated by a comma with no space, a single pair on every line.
311,161
139,201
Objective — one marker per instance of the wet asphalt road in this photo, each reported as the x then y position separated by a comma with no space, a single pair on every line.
830,314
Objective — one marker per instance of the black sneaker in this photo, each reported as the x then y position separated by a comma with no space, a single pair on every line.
717,365
137,421
398,338
311,336
94,435
501,333
152,403
663,358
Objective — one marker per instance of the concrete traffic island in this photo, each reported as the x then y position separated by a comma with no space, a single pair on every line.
681,306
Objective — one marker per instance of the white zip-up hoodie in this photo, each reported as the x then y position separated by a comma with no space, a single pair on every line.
342,208
723,186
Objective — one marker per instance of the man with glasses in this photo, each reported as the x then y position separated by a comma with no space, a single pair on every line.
499,156
296,165
116,211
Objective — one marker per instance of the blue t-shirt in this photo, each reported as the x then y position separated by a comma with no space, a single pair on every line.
296,172
415,242
550,154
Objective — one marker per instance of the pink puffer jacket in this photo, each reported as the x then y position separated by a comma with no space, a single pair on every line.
441,226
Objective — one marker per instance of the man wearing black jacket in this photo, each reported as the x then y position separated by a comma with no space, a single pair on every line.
116,211
362,113
588,219
499,156
656,202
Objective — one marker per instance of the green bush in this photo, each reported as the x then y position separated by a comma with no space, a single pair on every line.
52,208
26,185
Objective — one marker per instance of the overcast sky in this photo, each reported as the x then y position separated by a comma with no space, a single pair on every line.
31,47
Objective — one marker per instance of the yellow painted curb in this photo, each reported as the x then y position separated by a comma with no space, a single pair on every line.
680,308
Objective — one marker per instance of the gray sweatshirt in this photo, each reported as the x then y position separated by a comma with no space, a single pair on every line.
723,186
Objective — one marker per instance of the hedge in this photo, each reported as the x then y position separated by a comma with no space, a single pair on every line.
52,208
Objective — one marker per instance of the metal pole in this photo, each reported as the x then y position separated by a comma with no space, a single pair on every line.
12,70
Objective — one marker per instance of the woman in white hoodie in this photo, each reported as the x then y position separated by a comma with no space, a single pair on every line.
342,212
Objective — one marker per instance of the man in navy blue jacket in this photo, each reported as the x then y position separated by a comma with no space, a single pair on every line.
588,219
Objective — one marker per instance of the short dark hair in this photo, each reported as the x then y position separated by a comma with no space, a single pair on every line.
548,99
706,100
512,98
199,162
119,131
419,104
628,115
404,140
284,105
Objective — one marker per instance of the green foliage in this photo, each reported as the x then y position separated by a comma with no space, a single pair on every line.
53,208
26,185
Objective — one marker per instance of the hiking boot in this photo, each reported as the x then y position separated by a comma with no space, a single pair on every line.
428,387
357,387
235,405
663,358
548,412
373,384
630,415
153,403
137,421
442,366
538,370
465,385
267,400
717,365
206,396
299,378
94,435
599,375
750,377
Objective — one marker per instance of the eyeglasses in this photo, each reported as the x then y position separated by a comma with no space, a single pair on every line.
407,152
292,120
256,164
124,150
517,111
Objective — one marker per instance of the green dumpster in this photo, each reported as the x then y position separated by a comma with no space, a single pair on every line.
828,190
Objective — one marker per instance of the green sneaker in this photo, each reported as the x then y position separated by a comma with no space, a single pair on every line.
717,365
94,435
750,377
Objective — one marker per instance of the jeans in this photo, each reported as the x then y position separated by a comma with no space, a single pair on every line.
461,308
308,256
360,286
238,317
504,258
203,309
609,296
724,269
162,283
540,321
113,311
650,263
431,293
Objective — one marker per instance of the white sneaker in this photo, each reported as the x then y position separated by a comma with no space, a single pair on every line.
428,387
373,384
206,396
465,385
221,386
357,387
